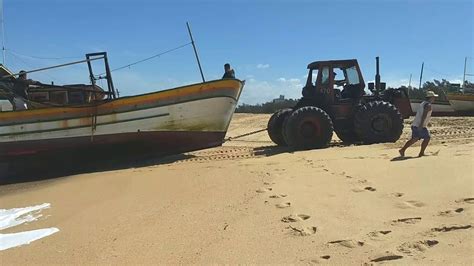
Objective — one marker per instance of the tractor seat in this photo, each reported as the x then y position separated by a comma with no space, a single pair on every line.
352,91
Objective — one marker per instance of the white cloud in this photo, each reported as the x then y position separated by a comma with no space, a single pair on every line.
257,91
263,66
291,82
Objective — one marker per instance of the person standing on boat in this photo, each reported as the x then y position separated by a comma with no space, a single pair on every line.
419,127
229,72
20,89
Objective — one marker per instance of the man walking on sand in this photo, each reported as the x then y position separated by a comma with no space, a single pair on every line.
419,128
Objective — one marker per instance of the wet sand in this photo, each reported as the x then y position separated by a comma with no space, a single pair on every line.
251,202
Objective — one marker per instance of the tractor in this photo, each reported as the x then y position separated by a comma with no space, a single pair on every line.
341,105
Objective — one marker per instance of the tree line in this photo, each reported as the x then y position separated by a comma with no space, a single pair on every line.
440,87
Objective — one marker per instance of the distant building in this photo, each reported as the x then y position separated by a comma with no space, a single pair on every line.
279,99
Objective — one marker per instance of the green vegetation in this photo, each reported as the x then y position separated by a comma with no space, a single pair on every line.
266,108
439,87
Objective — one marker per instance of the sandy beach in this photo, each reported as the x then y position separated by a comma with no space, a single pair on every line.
251,202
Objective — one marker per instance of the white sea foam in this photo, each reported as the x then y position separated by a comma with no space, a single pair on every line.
17,216
17,239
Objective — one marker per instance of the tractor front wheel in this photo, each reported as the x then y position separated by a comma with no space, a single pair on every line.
308,128
378,122
347,135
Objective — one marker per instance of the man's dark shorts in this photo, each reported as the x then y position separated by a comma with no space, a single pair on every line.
420,133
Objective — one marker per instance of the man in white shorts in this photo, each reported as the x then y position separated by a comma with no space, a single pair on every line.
419,128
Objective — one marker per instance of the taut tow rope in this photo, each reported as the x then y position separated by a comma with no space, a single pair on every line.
245,135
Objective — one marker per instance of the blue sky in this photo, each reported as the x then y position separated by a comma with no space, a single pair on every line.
268,43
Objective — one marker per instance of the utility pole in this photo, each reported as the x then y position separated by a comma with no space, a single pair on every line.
409,82
464,75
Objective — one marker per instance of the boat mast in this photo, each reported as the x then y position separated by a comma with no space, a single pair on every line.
195,51
3,32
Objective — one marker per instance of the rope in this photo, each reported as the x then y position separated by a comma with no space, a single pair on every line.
30,66
245,135
42,58
148,58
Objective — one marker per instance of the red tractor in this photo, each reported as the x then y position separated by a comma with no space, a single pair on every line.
340,105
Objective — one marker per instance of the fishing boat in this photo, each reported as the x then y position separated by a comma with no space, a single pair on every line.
439,107
175,120
461,102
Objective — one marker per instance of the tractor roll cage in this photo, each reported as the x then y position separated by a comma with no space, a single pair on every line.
332,64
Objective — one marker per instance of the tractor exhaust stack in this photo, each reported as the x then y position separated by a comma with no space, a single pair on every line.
377,77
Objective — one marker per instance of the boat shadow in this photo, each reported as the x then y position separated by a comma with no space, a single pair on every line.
47,167
26,169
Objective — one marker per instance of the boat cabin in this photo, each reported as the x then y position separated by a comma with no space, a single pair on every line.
40,95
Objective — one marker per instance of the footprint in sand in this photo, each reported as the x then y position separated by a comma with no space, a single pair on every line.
410,204
357,190
295,218
398,194
385,257
278,196
466,200
263,189
451,228
348,243
450,213
303,231
412,220
418,246
376,235
315,260
283,205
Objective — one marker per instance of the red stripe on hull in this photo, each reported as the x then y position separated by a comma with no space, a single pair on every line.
157,142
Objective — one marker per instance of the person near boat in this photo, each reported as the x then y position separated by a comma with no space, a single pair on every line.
419,127
20,89
229,72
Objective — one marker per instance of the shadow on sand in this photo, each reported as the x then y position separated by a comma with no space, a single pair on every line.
36,168
25,169
268,151
403,158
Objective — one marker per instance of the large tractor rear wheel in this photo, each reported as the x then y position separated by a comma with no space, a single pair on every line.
308,128
275,126
378,122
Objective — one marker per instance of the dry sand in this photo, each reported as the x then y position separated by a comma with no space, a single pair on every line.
249,202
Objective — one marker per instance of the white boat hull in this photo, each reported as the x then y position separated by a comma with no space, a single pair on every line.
437,108
176,120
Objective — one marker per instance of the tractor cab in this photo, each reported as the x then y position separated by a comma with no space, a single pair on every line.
334,80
